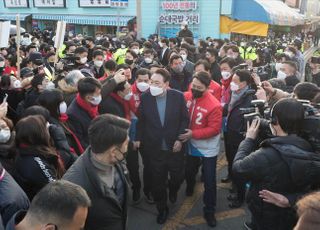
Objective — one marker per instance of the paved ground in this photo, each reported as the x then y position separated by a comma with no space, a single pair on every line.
186,214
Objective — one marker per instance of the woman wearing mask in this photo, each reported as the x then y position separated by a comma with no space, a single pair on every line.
37,162
7,144
54,102
12,87
243,92
226,66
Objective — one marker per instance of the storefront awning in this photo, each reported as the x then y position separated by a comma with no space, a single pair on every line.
12,17
227,25
99,20
273,12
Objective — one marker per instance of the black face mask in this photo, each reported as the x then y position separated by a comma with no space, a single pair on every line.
128,61
196,93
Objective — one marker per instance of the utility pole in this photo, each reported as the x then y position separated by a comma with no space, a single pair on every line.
139,20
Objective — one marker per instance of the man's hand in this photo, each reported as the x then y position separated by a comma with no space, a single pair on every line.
268,87
177,146
119,76
274,198
261,94
253,129
3,109
256,79
136,145
186,136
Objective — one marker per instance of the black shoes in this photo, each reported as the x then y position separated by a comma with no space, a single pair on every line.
189,190
173,197
210,219
136,197
149,198
163,216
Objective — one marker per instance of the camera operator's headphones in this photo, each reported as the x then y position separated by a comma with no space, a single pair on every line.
273,118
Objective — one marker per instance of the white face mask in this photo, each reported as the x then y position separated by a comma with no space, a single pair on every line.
98,38
160,44
148,60
156,91
63,107
137,51
128,96
123,46
83,60
98,63
184,57
142,86
2,63
281,75
17,84
234,87
225,75
96,100
182,27
50,85
278,66
5,135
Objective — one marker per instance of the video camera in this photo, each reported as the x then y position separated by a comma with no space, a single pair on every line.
310,129
264,72
69,63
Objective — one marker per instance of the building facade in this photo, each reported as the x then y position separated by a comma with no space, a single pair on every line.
88,16
82,16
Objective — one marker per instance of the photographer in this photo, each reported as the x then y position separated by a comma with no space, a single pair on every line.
283,164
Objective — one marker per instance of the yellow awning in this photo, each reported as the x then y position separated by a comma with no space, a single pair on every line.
227,25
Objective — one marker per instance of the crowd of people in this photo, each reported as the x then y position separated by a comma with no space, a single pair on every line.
74,121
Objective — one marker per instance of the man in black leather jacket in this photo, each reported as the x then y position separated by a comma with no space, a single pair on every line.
284,164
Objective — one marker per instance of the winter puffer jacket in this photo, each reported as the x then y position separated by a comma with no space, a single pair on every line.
284,165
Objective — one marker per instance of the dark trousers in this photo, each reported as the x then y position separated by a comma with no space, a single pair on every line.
209,178
164,163
233,140
147,171
133,167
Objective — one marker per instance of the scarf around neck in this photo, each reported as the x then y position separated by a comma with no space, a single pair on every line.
235,97
92,110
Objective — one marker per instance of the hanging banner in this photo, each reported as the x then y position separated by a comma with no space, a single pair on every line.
16,3
94,3
183,5
49,3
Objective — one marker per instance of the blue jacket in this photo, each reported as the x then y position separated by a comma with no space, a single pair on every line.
149,128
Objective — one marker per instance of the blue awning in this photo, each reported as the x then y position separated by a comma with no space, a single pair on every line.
12,17
273,12
99,20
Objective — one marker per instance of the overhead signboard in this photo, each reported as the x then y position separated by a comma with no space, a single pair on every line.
183,5
119,3
94,3
49,3
16,3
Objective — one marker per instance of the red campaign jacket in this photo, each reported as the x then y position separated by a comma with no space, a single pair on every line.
214,89
135,99
206,112
225,92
